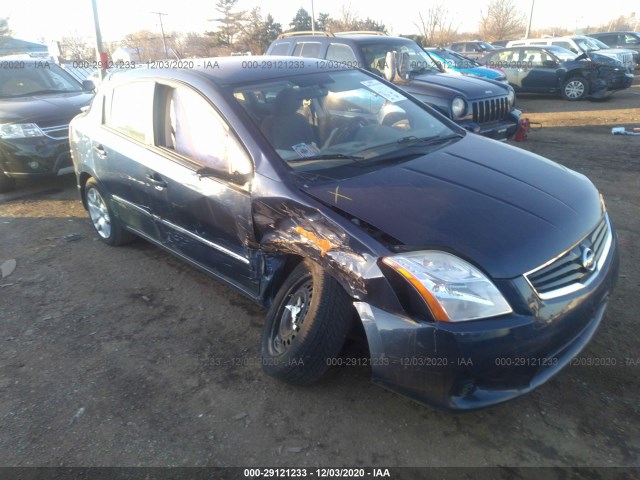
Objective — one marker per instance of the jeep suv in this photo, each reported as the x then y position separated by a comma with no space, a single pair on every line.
479,105
627,40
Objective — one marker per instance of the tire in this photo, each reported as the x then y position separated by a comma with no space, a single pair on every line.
6,183
575,88
106,224
306,325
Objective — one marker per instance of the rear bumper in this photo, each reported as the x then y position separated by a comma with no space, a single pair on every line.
35,157
476,364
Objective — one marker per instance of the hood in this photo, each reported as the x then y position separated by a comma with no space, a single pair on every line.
505,209
44,110
484,72
469,87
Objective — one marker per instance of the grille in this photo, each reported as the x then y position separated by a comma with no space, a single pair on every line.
491,110
568,273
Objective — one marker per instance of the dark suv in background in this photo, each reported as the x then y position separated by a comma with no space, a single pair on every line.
628,40
483,106
38,99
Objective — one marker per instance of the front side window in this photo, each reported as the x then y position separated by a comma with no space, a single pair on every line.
631,39
375,56
195,130
130,110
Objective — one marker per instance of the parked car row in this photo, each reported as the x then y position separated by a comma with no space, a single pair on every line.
334,198
551,69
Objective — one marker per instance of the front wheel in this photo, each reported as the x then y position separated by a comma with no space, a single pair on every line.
106,224
306,325
575,88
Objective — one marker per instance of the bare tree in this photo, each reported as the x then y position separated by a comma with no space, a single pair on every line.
147,45
197,45
350,21
502,21
436,28
76,48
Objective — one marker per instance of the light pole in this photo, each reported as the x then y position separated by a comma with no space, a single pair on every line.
101,55
526,35
164,41
313,19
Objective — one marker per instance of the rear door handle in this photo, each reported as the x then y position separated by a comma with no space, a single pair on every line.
157,181
100,151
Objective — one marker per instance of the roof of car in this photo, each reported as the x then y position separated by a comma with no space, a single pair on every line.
237,70
345,37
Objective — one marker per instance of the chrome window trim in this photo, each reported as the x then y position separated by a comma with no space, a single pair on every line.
47,130
578,285
184,231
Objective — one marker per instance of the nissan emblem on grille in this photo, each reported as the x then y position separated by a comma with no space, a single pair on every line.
588,259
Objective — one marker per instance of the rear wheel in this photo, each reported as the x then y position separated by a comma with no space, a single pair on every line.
576,88
306,325
6,183
106,224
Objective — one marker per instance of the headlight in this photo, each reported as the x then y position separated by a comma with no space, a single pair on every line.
458,107
454,290
20,130
511,96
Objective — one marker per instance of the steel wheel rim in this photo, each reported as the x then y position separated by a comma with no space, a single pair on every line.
291,316
574,89
99,213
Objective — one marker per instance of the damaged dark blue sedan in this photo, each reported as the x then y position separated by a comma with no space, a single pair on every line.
329,196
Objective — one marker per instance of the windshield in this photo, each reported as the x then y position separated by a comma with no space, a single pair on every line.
599,44
375,55
562,53
321,121
35,78
586,45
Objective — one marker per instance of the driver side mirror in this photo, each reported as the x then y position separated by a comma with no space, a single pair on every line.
88,85
550,63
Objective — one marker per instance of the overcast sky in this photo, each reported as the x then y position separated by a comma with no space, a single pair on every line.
48,20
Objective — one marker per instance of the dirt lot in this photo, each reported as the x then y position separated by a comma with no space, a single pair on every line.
125,356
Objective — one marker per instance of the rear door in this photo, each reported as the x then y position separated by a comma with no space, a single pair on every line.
122,152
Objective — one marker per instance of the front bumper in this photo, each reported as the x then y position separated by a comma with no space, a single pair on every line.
603,87
499,130
470,365
51,154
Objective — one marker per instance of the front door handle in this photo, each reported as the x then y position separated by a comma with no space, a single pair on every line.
100,151
157,181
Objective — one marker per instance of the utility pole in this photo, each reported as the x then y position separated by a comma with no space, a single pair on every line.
101,55
164,41
313,19
526,35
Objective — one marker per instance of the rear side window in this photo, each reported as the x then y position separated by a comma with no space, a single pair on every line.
131,110
307,49
280,49
340,53
630,39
